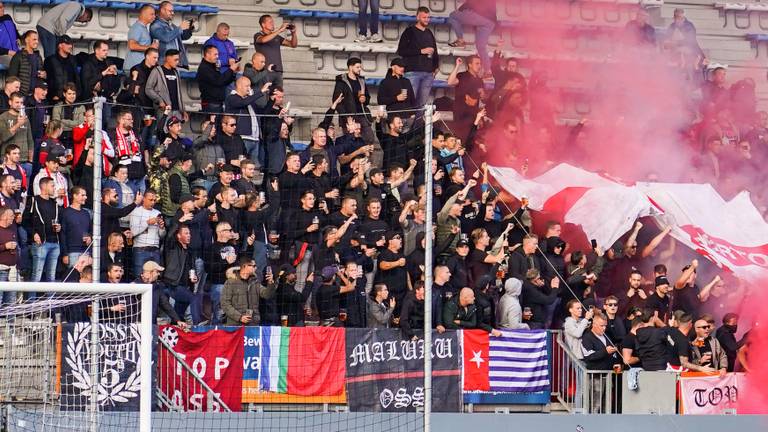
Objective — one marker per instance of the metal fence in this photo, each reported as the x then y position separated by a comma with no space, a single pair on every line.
578,389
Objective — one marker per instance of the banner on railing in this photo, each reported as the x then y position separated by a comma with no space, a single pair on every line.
293,365
703,394
119,378
386,373
376,370
214,355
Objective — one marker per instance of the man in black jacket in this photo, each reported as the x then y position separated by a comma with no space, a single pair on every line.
60,69
245,104
111,214
180,276
524,259
136,94
99,74
537,297
599,352
395,91
44,214
355,99
212,82
726,335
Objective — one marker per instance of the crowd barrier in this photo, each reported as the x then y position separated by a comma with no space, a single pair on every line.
356,370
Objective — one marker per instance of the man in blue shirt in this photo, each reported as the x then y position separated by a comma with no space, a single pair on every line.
227,52
139,39
170,35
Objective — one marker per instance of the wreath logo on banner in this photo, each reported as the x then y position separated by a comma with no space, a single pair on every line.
110,390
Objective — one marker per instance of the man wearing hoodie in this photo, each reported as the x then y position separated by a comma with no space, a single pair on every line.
509,313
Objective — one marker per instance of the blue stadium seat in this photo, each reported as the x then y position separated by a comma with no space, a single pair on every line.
373,82
56,2
38,2
756,37
13,2
441,84
438,20
326,14
351,15
182,8
2,66
295,13
403,18
205,9
185,74
95,4
123,5
385,18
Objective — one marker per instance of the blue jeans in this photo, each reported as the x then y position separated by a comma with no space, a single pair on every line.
142,256
483,28
215,294
8,297
44,259
364,21
137,185
422,86
255,152
47,41
73,257
183,297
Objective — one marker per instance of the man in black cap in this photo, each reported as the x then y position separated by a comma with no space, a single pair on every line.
61,68
170,135
395,91
658,302
226,176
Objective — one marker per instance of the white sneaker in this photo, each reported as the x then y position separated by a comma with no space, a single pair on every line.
361,38
375,38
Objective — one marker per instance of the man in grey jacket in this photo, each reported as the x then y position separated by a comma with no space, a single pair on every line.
164,87
509,312
57,21
242,293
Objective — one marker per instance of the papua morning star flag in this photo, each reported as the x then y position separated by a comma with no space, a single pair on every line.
302,361
515,362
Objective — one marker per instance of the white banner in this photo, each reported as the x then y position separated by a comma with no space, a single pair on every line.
710,395
732,234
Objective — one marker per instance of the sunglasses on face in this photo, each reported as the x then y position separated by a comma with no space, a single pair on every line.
704,327
611,304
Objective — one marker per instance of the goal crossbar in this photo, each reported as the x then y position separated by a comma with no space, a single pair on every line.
145,327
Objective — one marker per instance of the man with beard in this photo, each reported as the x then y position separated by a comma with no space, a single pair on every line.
129,150
111,214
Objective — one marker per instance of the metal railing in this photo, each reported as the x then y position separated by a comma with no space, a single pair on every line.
578,389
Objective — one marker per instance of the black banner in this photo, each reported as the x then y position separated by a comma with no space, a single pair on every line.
386,373
119,374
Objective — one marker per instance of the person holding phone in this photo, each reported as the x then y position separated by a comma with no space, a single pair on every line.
169,35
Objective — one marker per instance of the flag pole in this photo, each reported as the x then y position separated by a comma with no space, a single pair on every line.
429,109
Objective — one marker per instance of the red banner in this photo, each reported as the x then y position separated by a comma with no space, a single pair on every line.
217,357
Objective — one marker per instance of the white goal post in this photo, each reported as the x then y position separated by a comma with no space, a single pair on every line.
60,295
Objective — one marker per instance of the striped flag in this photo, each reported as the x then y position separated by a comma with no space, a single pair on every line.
274,359
517,361
302,361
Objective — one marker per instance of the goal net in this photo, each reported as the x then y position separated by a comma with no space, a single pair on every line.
76,357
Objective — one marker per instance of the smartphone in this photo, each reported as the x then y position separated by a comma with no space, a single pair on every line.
594,243
239,59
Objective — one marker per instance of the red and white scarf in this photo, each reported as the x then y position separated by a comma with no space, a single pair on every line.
122,144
